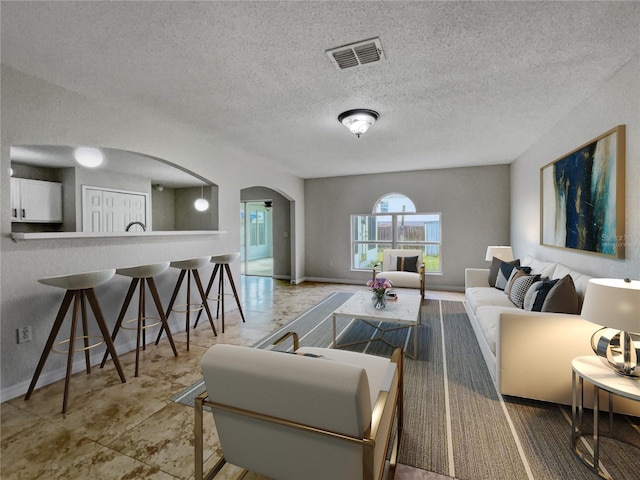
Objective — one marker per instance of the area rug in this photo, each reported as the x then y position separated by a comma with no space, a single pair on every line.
456,424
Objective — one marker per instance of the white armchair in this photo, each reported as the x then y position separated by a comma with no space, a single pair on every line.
402,278
289,416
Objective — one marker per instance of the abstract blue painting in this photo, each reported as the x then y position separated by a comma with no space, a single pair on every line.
582,197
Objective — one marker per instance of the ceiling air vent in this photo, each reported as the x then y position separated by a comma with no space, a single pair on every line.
356,54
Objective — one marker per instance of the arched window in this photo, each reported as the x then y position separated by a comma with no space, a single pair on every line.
394,223
394,202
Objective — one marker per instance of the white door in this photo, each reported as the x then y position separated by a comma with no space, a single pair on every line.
107,210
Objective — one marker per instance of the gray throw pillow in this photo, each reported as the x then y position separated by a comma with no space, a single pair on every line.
495,267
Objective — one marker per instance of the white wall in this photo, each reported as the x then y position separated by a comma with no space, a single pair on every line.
615,102
37,112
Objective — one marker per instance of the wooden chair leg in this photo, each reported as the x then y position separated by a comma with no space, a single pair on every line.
97,313
123,311
172,301
72,342
85,333
156,299
62,312
208,290
235,292
205,303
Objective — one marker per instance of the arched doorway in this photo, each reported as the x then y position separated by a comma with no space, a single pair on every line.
265,233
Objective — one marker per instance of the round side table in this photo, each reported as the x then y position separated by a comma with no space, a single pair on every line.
591,369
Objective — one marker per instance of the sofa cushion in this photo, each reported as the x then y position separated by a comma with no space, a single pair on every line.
520,287
530,296
489,321
580,280
544,269
506,269
485,296
401,279
562,298
557,296
515,273
407,264
495,268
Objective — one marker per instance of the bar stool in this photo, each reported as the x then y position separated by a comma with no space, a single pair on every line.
142,274
78,286
188,267
222,264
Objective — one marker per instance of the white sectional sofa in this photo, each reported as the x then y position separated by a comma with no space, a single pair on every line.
528,353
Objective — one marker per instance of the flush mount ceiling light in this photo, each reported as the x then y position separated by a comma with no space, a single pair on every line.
359,120
88,157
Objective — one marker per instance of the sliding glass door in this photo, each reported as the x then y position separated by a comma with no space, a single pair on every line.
256,239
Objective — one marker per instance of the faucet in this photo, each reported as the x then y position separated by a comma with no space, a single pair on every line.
144,229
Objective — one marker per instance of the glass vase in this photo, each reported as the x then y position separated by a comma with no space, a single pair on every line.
379,301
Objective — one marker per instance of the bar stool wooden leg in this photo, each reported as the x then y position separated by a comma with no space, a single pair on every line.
171,302
235,292
72,342
97,312
62,312
208,291
163,318
85,333
205,303
123,311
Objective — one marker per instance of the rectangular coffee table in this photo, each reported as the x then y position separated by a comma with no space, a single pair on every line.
405,312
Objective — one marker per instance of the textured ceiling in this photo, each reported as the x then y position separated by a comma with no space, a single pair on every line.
463,83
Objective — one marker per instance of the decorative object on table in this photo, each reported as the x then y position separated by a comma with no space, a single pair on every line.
379,287
615,304
583,198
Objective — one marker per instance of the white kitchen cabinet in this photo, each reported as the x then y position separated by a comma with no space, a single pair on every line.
36,201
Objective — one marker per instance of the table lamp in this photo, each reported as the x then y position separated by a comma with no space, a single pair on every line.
503,253
615,304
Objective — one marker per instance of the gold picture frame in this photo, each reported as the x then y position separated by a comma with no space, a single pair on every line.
582,197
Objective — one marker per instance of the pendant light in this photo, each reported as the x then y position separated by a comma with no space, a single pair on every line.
201,204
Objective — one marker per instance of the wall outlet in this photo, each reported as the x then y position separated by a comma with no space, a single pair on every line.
24,334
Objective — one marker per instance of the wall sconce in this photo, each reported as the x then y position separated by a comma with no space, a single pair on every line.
88,157
359,120
615,304
201,204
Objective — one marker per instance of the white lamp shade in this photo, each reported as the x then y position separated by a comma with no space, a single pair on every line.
613,303
503,253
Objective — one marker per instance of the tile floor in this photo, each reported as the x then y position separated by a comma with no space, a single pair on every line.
133,430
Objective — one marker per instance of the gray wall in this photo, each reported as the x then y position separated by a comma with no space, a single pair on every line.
280,215
615,102
474,203
163,209
187,217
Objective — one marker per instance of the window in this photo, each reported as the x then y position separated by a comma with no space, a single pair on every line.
395,224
